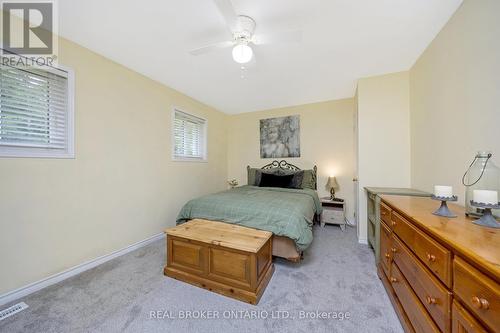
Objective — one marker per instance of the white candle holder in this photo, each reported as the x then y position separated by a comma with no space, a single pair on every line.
443,210
487,220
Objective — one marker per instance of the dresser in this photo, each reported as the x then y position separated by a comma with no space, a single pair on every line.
373,211
441,274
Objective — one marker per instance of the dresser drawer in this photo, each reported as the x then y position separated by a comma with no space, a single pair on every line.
464,322
478,292
385,248
436,257
433,295
332,216
403,318
419,318
385,213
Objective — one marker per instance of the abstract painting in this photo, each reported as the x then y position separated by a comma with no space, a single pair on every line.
280,137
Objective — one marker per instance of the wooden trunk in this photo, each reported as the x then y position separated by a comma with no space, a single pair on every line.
228,259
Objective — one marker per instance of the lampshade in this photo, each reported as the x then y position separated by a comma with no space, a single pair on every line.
242,53
332,183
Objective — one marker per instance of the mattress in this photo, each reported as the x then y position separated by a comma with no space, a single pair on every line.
285,212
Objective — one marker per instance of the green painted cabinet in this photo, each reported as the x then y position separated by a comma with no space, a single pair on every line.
373,211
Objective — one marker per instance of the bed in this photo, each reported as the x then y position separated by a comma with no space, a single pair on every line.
288,213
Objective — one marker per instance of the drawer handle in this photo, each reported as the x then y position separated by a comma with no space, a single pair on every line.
430,300
393,223
480,303
387,255
393,250
431,257
393,279
383,213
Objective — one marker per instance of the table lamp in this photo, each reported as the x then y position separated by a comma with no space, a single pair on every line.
332,185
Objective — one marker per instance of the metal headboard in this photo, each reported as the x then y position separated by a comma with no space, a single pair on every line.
284,165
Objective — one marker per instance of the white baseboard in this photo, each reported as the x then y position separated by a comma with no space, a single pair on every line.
36,286
363,241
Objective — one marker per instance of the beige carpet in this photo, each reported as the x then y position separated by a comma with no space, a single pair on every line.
336,280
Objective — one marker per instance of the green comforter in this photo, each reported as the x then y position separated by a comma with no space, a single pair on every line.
284,212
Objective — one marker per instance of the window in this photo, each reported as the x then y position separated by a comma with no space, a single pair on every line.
189,137
36,112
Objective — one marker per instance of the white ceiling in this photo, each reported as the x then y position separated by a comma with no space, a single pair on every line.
342,40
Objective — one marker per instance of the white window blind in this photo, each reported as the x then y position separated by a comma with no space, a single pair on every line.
189,136
34,112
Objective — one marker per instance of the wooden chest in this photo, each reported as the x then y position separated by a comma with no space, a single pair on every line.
228,259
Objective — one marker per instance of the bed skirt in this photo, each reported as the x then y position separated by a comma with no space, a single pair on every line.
284,247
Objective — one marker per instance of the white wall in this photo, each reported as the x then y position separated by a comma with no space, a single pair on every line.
326,140
423,127
383,136
121,188
455,97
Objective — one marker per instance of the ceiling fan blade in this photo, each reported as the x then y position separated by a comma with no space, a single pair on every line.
227,11
294,36
211,47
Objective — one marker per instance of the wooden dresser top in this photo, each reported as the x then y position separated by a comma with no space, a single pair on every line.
478,245
222,234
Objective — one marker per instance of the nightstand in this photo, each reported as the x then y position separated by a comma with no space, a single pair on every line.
333,212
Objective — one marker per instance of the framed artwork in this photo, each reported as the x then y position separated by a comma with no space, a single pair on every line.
280,137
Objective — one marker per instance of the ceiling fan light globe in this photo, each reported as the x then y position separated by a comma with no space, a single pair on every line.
242,53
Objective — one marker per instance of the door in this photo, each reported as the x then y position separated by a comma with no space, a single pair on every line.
355,181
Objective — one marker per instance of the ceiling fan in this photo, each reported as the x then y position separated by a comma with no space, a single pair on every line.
242,28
